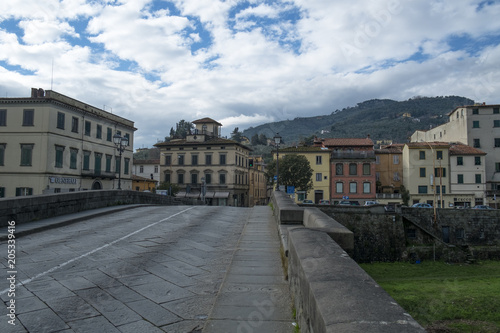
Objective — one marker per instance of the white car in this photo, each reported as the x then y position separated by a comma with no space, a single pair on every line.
371,203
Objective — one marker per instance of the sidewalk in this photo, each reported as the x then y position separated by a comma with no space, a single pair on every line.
254,296
58,221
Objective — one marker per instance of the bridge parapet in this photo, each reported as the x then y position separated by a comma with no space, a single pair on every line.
36,207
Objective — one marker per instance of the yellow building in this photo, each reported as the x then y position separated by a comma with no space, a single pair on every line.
319,159
389,173
257,192
143,184
205,162
51,143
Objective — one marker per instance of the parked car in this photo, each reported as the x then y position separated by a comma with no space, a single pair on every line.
307,202
324,202
421,205
371,203
482,207
349,203
390,208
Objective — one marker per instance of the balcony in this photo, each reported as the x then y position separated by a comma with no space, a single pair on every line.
388,195
353,155
91,173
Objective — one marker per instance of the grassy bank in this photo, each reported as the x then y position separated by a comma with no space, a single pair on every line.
442,297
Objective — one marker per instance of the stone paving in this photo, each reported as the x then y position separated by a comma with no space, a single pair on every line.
152,269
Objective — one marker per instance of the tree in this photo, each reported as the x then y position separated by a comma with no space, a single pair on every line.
294,170
182,130
236,135
263,139
174,188
405,195
255,140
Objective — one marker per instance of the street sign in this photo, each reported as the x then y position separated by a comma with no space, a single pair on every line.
290,189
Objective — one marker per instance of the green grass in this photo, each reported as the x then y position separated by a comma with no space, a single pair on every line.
442,297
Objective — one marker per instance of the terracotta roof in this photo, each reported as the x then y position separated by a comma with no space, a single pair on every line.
350,142
209,142
205,121
136,162
461,149
423,144
395,148
142,179
303,149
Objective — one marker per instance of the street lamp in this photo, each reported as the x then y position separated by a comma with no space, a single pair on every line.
277,141
121,143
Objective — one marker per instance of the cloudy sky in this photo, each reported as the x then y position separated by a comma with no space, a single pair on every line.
245,63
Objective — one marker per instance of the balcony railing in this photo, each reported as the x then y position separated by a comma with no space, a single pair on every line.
388,195
353,154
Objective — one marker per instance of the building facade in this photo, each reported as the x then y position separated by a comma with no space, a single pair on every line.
51,143
389,173
352,170
319,160
206,166
147,169
257,191
477,126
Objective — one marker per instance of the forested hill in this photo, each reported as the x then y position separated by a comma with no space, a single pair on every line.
382,119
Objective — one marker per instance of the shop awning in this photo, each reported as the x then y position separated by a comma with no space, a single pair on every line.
221,195
193,195
180,194
209,195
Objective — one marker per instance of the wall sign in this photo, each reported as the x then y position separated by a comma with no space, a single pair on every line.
62,180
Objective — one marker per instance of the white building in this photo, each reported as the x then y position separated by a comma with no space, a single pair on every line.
477,126
51,143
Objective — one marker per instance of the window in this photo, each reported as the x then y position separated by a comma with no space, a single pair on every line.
339,169
395,159
59,156
460,233
440,172
475,124
366,169
208,159
319,177
2,154
477,143
98,133
127,166
377,159
497,167
23,191
2,192
194,178
422,172
439,187
168,159
97,163
377,176
128,139
60,120
478,178
180,159
439,154
475,111
496,110
411,233
496,123
497,142
156,169
339,187
86,160
108,163
194,159
167,177
28,117
222,159
109,134
208,178
353,187
88,125
26,154
396,177
222,178
141,169
460,160
3,117
353,169
366,187
74,125
460,179
422,189
180,178
422,155
319,160
477,160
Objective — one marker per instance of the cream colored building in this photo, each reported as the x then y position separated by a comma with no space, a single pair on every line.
477,126
257,192
389,173
51,143
319,159
206,159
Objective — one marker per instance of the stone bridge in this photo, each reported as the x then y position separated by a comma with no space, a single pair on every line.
170,265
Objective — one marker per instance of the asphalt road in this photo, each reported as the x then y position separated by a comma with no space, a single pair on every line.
149,269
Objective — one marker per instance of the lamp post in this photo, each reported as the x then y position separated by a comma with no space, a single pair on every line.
277,141
121,143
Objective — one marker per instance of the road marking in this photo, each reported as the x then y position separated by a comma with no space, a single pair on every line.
25,282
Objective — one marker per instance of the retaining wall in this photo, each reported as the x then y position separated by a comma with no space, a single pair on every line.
36,207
